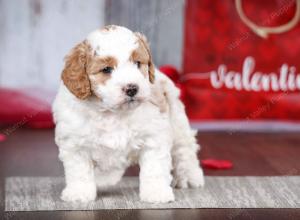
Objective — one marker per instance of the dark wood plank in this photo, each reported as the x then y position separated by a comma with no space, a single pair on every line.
236,148
33,153
30,152
181,214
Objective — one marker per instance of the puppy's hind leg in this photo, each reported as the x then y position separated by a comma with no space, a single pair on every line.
108,178
186,167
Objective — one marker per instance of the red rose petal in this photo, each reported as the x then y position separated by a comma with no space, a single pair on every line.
216,164
2,137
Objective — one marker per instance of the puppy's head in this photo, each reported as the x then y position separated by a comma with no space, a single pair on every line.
113,64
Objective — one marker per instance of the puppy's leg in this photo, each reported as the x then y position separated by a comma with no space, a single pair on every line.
187,171
155,168
79,174
108,178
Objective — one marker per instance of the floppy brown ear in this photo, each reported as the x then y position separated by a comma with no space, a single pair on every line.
74,74
151,68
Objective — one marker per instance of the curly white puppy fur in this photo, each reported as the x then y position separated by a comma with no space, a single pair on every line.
114,109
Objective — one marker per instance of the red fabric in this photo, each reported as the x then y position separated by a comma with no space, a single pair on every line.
171,72
174,75
215,35
22,110
2,137
216,164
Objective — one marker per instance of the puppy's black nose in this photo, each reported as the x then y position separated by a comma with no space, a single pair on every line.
131,90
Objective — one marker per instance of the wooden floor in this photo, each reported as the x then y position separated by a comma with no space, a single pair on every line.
33,153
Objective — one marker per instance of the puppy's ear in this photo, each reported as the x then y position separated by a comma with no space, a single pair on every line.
74,74
151,68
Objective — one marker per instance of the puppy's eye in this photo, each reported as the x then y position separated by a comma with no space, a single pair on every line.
107,70
138,64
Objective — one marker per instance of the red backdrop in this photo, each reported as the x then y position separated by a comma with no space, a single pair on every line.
232,73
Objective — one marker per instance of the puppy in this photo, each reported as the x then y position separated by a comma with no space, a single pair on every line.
114,109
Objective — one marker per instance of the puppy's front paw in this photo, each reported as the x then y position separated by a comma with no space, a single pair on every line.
79,193
157,193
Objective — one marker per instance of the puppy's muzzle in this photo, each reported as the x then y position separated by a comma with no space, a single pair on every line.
131,90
